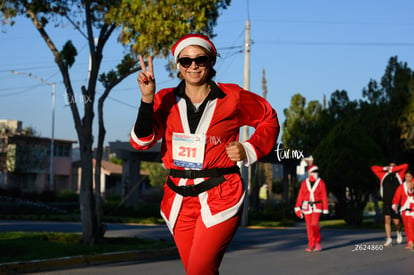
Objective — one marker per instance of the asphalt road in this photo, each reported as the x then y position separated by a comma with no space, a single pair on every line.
264,251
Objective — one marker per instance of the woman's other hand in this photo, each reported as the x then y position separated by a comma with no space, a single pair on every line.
235,151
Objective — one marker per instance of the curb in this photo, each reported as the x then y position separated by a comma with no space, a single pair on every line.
78,261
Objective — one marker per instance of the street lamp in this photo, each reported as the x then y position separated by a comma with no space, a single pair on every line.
52,140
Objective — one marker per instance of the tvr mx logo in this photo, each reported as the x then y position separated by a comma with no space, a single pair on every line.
288,153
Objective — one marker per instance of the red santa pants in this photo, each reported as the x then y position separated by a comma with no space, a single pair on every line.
408,222
312,228
201,249
406,226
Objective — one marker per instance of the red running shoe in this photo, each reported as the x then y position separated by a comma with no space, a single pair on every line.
309,249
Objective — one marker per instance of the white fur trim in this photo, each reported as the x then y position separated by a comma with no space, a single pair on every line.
206,117
202,128
250,153
175,209
312,189
210,219
191,41
140,142
313,169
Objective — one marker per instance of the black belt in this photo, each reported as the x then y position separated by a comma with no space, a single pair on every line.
195,189
206,173
314,202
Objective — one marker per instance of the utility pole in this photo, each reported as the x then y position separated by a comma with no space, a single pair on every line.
52,139
246,171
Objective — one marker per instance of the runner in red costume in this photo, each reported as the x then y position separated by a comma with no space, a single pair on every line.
390,178
312,201
410,221
402,203
199,123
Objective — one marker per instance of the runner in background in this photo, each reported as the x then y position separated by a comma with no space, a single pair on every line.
402,203
312,201
391,177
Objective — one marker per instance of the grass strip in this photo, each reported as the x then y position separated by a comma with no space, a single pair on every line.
27,246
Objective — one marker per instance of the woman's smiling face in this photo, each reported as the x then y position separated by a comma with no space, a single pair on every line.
194,74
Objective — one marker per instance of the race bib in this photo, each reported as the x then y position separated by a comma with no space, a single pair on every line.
188,150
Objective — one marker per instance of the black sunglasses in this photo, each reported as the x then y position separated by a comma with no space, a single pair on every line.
201,61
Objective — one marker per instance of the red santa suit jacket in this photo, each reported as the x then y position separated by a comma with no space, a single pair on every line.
403,198
220,123
382,171
312,198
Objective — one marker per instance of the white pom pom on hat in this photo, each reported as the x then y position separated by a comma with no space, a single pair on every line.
192,39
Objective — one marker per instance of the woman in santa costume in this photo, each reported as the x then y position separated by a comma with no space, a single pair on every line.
403,203
312,201
199,123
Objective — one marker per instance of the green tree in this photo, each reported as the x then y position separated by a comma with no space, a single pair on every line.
300,127
393,97
293,118
406,121
156,172
398,84
362,134
144,27
349,136
344,156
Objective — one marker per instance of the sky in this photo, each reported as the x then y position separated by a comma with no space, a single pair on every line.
309,47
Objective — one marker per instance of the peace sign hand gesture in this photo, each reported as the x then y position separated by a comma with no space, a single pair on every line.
146,80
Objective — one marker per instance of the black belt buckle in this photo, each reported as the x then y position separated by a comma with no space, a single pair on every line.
190,174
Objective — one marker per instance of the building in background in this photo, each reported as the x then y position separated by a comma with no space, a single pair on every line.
25,160
111,178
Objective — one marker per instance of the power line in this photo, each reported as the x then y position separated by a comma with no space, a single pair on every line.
327,43
328,22
30,68
19,88
122,103
20,92
53,65
230,48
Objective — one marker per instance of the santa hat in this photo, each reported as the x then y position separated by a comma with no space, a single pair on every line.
193,39
313,168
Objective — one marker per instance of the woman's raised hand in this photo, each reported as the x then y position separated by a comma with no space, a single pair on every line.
146,80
